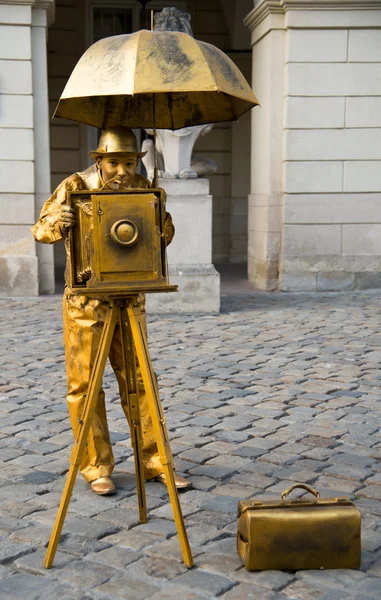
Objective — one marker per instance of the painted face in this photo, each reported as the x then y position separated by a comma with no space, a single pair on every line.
118,167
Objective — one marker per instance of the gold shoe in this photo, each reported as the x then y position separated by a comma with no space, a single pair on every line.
103,486
180,482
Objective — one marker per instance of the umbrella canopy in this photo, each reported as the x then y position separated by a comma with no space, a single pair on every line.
154,78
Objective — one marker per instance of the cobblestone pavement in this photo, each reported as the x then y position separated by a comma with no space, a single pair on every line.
275,389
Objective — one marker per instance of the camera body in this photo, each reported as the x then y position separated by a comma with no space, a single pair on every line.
117,246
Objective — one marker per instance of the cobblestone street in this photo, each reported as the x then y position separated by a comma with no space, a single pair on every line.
274,390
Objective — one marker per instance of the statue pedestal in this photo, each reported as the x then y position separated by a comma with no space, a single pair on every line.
190,253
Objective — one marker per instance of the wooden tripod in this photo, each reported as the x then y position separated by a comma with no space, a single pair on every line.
127,313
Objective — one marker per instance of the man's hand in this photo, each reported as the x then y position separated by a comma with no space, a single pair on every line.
67,217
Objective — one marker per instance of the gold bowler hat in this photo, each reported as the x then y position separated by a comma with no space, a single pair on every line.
117,140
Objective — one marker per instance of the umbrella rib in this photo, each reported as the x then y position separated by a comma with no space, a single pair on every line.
232,109
136,56
209,68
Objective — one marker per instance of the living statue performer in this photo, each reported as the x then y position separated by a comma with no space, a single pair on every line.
116,160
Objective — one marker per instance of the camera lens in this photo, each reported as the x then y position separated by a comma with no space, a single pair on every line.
124,232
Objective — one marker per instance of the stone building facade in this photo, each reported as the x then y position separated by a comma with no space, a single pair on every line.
25,269
297,193
315,203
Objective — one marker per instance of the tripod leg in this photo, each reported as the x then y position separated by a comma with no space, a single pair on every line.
158,421
133,410
81,439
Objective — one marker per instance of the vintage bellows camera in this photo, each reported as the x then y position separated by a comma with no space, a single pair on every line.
117,246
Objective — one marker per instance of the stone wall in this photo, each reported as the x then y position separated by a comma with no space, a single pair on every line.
240,169
220,22
66,43
64,50
24,163
217,146
332,202
316,191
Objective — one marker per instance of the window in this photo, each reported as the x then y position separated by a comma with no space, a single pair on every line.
109,21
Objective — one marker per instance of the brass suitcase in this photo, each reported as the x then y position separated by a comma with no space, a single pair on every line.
299,534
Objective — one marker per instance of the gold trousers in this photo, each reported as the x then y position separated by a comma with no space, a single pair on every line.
83,320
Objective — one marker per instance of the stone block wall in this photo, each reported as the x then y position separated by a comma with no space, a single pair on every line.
315,202
66,43
240,168
25,268
216,145
332,159
220,23
18,261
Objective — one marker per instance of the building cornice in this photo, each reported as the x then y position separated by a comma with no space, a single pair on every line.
268,7
261,11
48,5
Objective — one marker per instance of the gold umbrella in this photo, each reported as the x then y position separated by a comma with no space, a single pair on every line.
150,79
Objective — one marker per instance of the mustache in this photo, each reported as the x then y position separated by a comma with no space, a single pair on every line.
117,182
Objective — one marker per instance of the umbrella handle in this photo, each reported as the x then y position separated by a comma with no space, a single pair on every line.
155,177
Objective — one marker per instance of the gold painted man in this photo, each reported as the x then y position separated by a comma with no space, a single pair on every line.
116,159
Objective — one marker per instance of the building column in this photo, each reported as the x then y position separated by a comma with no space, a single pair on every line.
20,134
265,199
41,19
315,203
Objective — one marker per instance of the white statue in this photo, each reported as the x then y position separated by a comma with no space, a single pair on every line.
174,148
174,154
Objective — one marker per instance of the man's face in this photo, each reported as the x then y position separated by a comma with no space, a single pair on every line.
117,167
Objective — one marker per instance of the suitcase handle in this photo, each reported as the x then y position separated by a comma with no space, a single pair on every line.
302,486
